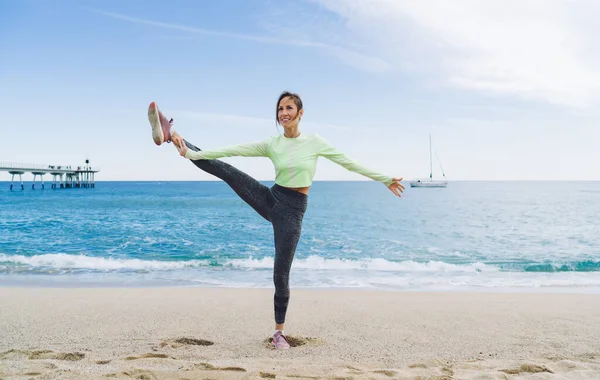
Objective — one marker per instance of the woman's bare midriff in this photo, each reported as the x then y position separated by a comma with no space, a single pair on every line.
303,190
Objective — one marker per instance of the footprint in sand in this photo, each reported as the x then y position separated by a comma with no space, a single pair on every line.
297,341
386,372
526,368
44,354
11,353
148,356
140,374
176,343
357,371
433,370
210,367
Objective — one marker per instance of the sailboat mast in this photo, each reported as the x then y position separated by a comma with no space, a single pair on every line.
430,160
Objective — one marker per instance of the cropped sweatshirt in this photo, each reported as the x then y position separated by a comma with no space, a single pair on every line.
295,159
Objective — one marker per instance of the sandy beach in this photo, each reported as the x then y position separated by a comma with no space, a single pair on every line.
210,333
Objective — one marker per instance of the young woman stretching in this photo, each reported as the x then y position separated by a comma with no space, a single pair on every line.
294,155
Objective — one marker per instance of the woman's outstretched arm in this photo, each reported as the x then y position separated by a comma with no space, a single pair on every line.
251,149
331,153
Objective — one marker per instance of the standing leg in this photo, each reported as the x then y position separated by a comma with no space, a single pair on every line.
287,227
255,194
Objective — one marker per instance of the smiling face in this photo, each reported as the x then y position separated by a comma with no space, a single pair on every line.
289,110
288,113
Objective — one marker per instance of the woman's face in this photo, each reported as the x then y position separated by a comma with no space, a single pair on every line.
287,113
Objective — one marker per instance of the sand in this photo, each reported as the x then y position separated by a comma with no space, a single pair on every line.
211,333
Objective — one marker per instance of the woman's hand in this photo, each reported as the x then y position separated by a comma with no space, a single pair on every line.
179,144
396,187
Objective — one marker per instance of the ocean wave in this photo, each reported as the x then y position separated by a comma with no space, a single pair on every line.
65,261
68,261
320,263
578,266
62,261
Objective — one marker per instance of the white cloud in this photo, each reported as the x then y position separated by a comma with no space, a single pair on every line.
536,49
350,57
190,29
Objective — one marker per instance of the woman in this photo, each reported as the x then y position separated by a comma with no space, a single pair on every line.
294,155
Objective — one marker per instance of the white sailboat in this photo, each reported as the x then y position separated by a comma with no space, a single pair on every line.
429,182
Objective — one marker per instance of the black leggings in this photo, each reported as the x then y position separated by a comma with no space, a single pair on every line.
281,206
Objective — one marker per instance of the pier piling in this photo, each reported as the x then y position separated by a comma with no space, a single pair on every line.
65,177
35,174
20,174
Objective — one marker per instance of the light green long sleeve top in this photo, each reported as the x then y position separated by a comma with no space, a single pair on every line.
295,159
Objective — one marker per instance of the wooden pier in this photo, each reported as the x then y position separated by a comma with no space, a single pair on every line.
63,176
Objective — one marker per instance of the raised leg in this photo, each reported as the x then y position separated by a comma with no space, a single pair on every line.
255,194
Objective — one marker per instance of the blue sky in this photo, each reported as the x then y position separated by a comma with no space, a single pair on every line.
508,90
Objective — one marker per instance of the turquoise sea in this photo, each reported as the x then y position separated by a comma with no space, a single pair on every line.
470,236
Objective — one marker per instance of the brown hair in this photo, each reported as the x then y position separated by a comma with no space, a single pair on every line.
285,94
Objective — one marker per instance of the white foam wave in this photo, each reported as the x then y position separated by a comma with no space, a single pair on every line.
65,261
317,262
312,272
